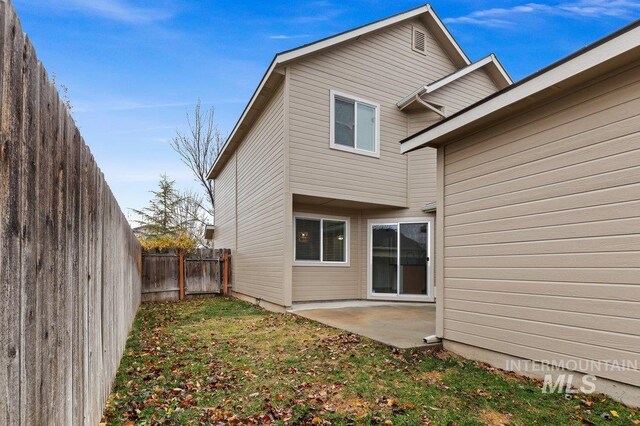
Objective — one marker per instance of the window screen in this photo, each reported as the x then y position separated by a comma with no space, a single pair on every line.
321,240
307,239
366,139
345,122
334,241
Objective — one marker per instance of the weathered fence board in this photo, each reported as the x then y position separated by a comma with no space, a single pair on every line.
160,280
69,263
203,274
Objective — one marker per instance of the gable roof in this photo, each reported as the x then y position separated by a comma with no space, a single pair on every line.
274,74
592,60
494,68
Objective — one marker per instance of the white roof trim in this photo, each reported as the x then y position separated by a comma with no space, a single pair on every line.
446,32
308,49
349,35
573,67
244,114
429,88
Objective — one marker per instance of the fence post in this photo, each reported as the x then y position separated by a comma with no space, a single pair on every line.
181,272
225,265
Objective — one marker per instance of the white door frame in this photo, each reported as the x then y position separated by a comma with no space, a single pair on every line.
430,296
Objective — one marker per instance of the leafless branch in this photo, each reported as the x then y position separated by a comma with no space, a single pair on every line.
199,147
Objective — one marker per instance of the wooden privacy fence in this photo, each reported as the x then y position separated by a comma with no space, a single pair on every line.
69,262
177,274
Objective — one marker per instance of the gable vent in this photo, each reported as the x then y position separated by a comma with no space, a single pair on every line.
419,42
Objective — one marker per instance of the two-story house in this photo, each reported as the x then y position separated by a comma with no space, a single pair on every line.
312,193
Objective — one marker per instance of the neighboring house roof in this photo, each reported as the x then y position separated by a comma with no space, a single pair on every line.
142,230
493,67
274,74
594,59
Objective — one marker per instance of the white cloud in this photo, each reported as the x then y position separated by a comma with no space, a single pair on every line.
501,17
287,37
597,8
116,10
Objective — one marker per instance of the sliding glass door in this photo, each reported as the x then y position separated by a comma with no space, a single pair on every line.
413,253
399,259
384,271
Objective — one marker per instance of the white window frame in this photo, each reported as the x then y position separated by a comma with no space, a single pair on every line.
430,296
322,218
355,150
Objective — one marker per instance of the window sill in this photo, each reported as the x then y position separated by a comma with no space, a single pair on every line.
322,264
355,151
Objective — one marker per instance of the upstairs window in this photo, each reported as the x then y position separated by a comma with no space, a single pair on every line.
355,125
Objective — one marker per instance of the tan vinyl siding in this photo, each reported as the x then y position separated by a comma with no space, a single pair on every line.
461,93
421,163
419,120
381,68
315,283
342,283
542,249
258,259
225,205
287,153
422,178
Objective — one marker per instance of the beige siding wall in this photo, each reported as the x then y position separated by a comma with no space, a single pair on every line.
463,92
380,68
314,283
283,156
542,254
340,283
225,203
422,163
422,178
253,195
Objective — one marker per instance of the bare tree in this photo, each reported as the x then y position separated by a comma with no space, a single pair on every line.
63,89
199,148
193,215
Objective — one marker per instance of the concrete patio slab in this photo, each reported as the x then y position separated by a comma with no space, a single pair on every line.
402,325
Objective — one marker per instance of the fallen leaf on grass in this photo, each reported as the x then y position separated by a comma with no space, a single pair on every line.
585,421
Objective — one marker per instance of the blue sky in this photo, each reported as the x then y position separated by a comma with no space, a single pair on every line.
134,68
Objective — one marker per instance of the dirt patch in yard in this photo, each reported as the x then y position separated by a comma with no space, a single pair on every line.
494,418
